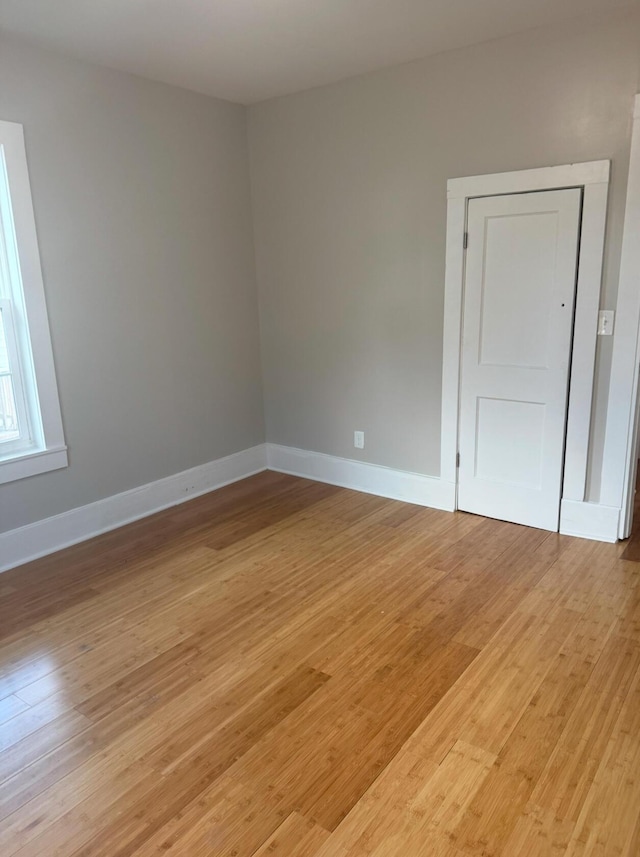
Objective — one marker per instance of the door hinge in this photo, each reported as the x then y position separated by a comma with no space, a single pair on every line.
465,241
457,459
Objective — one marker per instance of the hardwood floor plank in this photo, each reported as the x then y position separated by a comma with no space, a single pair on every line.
41,742
608,820
229,819
297,836
10,706
380,814
54,814
285,667
519,765
192,762
29,721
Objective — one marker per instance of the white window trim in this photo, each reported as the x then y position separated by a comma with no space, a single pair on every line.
593,178
49,451
13,447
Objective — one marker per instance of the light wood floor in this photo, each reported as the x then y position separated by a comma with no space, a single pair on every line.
286,668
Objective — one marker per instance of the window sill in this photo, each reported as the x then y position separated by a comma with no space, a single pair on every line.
31,463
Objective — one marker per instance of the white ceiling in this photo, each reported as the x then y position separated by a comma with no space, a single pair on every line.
250,50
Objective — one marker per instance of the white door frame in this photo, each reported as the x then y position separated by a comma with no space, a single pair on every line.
593,178
620,443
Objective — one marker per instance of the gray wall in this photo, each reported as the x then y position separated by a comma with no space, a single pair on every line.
349,194
142,202
143,208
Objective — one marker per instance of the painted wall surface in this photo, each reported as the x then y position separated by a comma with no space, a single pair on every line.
144,213
349,195
142,203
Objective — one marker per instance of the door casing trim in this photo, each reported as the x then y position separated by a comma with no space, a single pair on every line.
621,434
593,178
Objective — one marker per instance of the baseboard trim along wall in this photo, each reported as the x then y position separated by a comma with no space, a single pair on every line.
586,520
361,476
52,534
589,520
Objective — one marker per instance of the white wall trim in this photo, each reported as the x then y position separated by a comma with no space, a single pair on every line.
52,534
593,177
585,326
361,476
32,463
521,181
619,464
28,294
589,520
586,520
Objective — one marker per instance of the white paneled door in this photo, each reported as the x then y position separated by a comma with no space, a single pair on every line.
519,295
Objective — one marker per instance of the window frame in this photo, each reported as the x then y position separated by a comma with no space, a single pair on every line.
46,449
25,436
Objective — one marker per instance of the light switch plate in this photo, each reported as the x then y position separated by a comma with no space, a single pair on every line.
605,322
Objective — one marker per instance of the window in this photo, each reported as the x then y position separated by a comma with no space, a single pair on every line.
31,436
14,424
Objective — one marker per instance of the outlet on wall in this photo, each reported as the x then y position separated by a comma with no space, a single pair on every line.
358,439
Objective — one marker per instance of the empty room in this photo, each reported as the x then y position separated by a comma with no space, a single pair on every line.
320,428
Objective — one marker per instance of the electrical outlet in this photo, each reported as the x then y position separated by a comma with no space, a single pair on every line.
358,439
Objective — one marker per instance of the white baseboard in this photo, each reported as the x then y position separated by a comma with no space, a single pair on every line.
586,520
589,520
360,476
52,534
